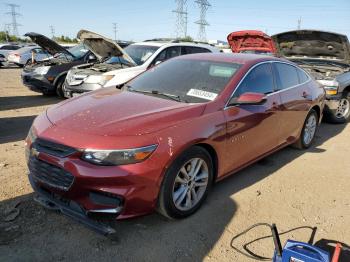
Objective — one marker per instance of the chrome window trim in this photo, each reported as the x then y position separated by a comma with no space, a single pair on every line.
277,91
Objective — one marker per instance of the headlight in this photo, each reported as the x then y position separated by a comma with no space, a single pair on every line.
118,157
31,135
98,79
331,86
42,70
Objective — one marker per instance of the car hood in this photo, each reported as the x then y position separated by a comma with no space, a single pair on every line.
250,40
102,47
112,112
313,44
47,44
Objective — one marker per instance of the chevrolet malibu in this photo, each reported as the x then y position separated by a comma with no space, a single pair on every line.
163,140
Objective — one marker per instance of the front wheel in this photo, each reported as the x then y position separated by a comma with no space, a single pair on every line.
59,86
308,132
186,184
342,113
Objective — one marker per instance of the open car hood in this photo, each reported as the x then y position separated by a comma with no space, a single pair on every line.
251,40
102,47
47,44
313,44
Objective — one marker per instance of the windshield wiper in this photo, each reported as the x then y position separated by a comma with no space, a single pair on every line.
156,92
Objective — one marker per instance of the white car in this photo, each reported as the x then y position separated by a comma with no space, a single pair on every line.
118,70
23,56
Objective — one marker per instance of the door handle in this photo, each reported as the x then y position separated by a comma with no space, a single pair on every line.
275,105
305,94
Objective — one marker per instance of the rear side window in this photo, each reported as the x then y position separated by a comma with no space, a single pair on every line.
286,76
193,50
259,80
303,77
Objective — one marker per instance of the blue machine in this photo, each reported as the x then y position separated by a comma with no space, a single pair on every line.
294,251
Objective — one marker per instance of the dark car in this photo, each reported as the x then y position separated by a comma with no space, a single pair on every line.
161,142
48,76
326,56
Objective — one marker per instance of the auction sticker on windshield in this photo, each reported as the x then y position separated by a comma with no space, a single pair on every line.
202,94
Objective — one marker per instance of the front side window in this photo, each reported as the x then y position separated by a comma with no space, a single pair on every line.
259,80
194,50
167,53
190,80
286,76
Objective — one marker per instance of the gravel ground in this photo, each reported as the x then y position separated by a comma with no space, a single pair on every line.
292,188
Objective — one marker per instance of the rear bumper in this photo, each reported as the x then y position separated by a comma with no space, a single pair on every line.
37,83
74,210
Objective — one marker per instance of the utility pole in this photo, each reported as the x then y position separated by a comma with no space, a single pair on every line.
115,31
299,23
7,31
181,18
52,29
14,16
202,22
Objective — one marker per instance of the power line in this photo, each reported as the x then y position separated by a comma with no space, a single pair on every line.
181,18
115,31
202,22
14,16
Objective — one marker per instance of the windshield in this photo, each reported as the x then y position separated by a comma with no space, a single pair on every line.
78,51
140,53
193,81
118,60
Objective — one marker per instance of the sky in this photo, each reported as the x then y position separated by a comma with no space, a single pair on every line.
138,20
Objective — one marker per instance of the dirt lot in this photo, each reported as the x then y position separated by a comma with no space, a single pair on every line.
291,188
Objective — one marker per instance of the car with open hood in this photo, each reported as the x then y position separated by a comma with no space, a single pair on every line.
326,56
161,141
48,76
252,42
87,77
25,55
125,64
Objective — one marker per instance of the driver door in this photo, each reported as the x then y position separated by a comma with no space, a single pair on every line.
252,130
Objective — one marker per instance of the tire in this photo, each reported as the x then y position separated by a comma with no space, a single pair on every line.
59,86
342,114
172,201
309,130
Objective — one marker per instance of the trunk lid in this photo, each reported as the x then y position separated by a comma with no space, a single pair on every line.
103,47
313,44
251,41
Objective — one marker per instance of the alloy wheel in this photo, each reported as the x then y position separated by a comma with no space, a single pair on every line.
343,108
190,184
310,129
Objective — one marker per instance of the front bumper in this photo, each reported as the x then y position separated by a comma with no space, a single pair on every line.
37,83
75,90
69,208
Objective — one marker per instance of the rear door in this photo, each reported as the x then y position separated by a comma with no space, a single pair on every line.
295,99
253,130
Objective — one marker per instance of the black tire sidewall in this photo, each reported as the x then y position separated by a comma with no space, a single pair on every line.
312,112
59,86
169,178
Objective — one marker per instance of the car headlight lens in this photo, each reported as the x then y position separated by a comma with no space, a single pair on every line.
118,157
31,135
42,70
98,79
330,86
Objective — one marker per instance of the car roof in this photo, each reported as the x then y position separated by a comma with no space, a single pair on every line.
238,58
168,44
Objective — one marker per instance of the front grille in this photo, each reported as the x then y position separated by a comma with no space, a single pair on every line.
53,148
49,174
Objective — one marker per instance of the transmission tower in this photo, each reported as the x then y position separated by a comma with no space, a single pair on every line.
14,15
181,18
115,31
52,29
202,22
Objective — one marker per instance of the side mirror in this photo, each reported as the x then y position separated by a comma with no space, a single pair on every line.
249,98
158,62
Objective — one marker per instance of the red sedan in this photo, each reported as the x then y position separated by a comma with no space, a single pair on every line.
161,142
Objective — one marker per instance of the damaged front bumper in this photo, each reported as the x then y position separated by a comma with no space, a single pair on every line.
73,210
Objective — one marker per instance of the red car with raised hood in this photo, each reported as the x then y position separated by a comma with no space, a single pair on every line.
251,41
161,141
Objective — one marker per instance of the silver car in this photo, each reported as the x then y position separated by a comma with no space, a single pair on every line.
23,56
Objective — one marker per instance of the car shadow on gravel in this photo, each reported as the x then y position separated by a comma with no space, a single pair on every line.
17,102
15,128
41,235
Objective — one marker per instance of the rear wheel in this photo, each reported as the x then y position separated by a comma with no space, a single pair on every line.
342,113
186,184
308,132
